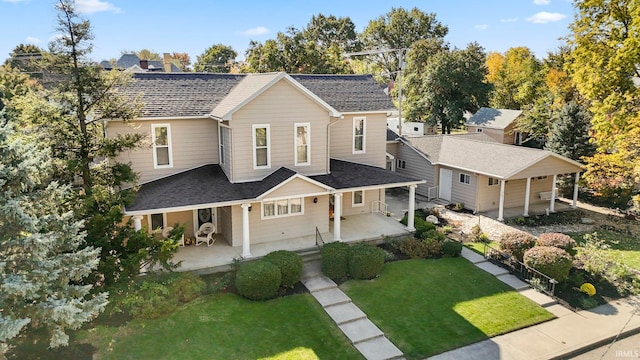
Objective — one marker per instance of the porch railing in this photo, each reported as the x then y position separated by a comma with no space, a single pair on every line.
432,193
534,277
378,206
319,241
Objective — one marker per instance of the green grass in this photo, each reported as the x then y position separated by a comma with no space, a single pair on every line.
479,246
624,248
226,326
426,307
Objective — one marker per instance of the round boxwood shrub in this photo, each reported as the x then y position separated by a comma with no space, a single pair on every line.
290,265
549,260
365,261
516,243
335,261
258,280
422,227
451,248
558,240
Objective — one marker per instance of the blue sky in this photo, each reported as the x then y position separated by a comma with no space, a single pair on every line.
191,26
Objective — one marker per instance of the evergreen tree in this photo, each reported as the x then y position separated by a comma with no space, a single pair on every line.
569,135
42,258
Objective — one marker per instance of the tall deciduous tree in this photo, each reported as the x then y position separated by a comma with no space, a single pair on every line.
515,77
182,60
216,59
42,258
444,84
606,59
399,29
70,117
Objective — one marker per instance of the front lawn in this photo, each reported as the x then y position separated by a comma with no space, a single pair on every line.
478,246
426,307
624,247
227,326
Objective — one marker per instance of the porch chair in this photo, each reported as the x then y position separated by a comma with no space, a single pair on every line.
205,234
166,232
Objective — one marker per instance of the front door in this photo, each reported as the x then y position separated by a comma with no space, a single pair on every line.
205,215
444,186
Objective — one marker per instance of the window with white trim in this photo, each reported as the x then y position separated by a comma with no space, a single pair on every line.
401,164
465,179
157,221
224,134
357,198
261,147
161,138
359,133
494,181
303,147
282,208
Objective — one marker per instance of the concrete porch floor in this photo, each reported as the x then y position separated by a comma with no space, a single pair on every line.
534,209
220,256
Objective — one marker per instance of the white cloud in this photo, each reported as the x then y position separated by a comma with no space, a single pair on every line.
32,40
93,6
545,17
255,31
510,20
542,2
481,27
14,1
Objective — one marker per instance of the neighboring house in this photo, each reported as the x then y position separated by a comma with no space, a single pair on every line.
482,175
264,157
131,62
411,128
499,124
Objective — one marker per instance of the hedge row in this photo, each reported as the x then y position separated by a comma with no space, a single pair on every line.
360,261
261,279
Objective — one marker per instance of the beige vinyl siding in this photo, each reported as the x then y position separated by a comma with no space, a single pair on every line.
514,192
392,148
464,193
280,107
182,218
225,134
193,143
509,134
369,197
284,227
548,166
496,134
295,187
416,166
375,140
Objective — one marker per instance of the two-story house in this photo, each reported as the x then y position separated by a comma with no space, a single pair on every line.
263,157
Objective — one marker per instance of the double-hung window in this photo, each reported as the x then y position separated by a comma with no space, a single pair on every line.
493,181
357,198
261,147
161,137
302,147
282,208
465,179
359,133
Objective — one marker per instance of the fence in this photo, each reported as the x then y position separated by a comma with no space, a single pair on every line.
534,277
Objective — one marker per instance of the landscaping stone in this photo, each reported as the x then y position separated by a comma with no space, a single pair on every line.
432,219
587,221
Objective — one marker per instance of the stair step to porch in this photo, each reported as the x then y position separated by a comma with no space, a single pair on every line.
319,283
360,330
331,297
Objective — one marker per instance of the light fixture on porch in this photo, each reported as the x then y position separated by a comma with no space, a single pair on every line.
315,200
249,207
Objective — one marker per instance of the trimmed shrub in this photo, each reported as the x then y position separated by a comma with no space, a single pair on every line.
516,243
365,261
559,240
290,265
551,261
451,248
413,248
422,227
258,280
186,286
335,261
433,234
433,247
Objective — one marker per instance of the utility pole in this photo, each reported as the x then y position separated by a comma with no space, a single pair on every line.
400,54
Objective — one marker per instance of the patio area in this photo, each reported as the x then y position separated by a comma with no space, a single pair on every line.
220,256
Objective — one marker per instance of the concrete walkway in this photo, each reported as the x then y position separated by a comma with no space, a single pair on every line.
365,336
567,335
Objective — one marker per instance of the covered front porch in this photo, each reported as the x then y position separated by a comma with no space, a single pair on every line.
354,228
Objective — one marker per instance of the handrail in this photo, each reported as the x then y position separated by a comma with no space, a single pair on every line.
319,241
535,278
429,197
378,206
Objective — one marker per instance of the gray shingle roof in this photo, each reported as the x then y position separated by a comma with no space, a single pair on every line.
488,158
209,185
197,94
391,135
494,118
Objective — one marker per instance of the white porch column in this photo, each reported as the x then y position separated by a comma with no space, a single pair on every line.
501,205
412,208
246,251
337,213
527,194
137,222
552,202
574,204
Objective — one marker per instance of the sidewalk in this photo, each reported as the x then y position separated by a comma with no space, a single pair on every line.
562,337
